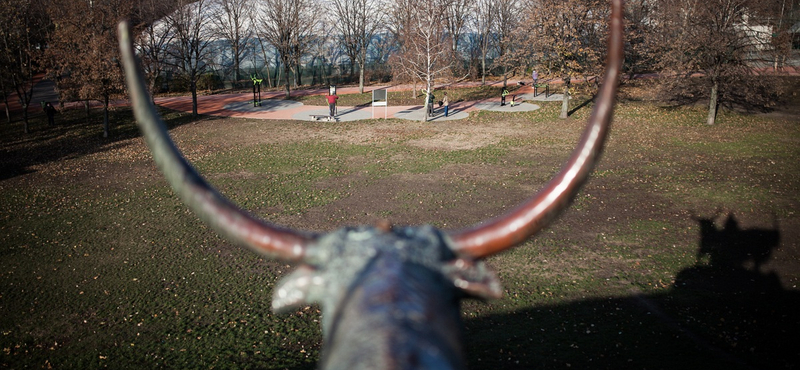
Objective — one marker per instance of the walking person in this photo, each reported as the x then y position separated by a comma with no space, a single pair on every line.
332,103
431,99
446,103
503,97
50,111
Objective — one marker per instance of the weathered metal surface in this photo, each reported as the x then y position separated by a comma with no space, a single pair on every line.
389,295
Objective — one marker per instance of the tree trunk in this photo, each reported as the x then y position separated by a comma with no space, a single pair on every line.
329,72
483,68
86,109
5,105
428,103
278,71
105,116
361,79
5,102
323,72
25,118
152,87
266,63
361,62
712,104
193,86
565,102
313,71
236,62
425,107
287,79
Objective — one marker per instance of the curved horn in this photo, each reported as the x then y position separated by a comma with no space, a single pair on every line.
227,219
539,211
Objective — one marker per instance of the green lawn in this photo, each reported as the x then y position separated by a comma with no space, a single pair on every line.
668,258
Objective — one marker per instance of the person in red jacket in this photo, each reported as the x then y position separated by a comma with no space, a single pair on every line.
332,103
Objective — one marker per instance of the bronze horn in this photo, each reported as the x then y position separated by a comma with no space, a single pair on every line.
205,201
539,211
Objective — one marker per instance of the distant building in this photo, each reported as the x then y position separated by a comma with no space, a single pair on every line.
759,36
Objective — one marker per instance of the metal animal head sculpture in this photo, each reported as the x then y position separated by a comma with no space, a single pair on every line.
389,295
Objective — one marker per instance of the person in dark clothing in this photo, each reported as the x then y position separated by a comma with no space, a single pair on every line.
50,111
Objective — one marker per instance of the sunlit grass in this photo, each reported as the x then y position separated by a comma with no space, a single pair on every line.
104,267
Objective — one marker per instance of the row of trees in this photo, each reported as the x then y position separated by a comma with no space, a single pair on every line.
23,33
416,40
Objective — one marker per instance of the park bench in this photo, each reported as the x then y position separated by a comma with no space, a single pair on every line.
540,85
325,117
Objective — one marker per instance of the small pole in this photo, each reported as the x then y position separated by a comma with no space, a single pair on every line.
253,78
259,92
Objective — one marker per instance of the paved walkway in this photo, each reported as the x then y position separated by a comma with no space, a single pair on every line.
274,107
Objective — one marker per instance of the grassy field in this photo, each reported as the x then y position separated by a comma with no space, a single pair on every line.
682,251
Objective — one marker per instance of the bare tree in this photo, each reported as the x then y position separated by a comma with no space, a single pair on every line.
306,39
711,37
357,22
154,37
262,44
5,89
641,38
22,33
287,25
422,35
324,52
82,51
232,22
566,34
191,46
508,16
781,44
457,17
785,17
484,24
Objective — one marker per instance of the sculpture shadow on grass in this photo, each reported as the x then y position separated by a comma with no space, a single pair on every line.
724,312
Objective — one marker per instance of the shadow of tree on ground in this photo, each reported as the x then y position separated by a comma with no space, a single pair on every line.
73,135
